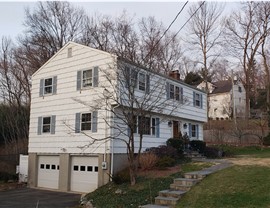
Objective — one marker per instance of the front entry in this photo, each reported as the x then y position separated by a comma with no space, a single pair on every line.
176,129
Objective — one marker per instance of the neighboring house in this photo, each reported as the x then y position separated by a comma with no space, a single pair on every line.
62,126
227,99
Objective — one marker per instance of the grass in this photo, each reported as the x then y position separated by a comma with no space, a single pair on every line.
238,186
144,192
253,151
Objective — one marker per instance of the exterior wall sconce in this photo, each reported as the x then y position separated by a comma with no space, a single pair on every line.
170,123
185,125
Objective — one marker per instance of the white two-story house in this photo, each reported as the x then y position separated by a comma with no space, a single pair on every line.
227,99
76,137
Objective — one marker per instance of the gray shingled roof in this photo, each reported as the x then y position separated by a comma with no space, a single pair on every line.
222,86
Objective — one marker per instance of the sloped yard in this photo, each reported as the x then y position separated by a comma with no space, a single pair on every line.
144,192
246,184
238,186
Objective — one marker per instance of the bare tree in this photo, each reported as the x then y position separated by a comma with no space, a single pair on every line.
48,28
245,38
136,99
205,31
141,43
263,15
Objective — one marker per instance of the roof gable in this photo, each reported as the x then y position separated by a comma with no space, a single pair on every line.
70,43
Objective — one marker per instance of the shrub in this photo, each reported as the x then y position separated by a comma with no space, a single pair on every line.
178,144
4,176
148,160
198,145
121,177
212,152
165,162
266,140
227,151
163,150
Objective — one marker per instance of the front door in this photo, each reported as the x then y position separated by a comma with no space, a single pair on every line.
175,129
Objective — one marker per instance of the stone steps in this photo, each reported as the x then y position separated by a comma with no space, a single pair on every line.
169,198
185,181
171,193
167,201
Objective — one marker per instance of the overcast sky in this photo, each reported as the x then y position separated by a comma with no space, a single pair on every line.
12,13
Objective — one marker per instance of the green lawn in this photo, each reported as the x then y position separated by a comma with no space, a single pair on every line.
143,192
238,186
253,151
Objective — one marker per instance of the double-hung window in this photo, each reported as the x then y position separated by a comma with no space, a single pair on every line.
197,99
46,124
193,131
136,79
142,81
86,121
174,92
48,86
87,78
146,125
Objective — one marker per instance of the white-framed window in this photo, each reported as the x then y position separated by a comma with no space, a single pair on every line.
48,86
142,81
193,131
174,92
197,99
171,91
86,121
46,124
87,78
133,78
136,79
177,93
144,125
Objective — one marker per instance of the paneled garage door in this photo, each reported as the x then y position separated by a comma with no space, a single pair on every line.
84,174
48,171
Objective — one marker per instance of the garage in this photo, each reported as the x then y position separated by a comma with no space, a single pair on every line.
84,174
48,172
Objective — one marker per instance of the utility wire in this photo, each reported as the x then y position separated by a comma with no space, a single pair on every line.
187,21
166,30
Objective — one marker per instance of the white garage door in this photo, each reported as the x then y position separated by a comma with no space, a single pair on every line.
84,174
48,171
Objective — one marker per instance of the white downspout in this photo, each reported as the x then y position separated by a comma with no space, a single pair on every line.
112,140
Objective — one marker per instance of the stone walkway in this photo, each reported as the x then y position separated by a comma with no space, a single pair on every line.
169,198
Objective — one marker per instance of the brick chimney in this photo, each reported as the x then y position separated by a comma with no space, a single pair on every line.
174,74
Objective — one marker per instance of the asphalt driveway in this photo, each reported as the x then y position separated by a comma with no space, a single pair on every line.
36,198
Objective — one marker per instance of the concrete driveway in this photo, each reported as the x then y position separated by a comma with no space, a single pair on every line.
36,198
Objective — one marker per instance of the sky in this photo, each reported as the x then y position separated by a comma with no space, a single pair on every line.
12,14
